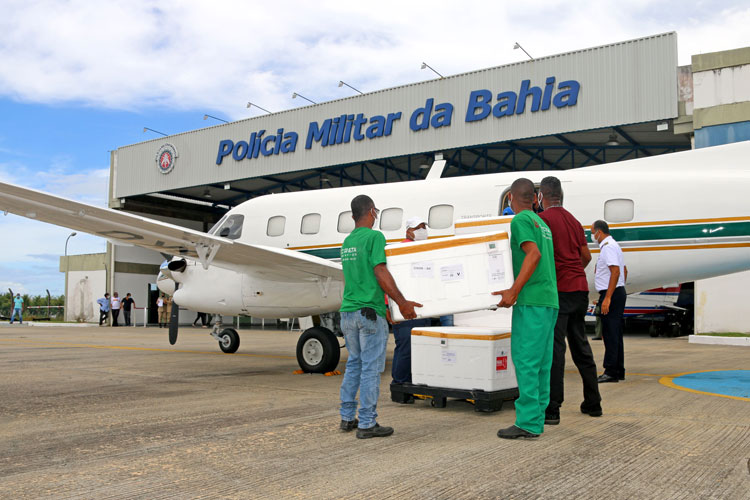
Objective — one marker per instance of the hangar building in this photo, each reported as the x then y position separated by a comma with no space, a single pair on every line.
604,104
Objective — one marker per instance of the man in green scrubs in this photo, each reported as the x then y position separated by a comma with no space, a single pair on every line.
534,300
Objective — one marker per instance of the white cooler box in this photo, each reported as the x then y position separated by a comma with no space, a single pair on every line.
483,225
462,358
451,275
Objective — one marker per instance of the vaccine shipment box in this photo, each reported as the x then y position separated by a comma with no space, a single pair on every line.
451,275
462,358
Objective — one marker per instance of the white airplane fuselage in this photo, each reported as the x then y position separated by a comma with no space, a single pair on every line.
690,220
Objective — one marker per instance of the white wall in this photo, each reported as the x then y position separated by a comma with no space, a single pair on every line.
84,288
124,253
721,304
721,86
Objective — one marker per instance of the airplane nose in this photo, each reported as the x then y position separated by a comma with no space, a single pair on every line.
165,284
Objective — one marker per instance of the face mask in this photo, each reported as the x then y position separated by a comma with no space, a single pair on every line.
376,217
420,234
593,238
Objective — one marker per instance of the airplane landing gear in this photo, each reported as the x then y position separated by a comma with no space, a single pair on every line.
228,338
318,350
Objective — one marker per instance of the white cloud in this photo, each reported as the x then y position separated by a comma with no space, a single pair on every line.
219,55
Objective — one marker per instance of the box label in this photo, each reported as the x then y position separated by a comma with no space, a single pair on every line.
496,268
423,270
449,357
454,272
501,363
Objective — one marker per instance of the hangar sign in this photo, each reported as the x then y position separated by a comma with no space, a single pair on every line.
347,127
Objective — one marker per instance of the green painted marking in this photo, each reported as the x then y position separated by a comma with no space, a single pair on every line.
674,232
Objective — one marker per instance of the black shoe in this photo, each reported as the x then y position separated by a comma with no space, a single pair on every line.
596,338
551,418
348,425
514,432
604,378
594,411
407,399
376,431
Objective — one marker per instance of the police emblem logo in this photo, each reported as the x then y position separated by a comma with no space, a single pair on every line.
165,158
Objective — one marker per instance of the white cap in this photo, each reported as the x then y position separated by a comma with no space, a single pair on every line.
413,222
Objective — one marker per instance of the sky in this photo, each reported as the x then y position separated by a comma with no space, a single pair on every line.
79,78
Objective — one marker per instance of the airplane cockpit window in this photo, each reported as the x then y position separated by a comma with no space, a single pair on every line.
390,219
440,217
310,224
276,225
230,226
619,210
346,223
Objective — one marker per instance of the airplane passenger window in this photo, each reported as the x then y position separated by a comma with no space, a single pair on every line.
619,210
441,217
390,219
229,226
310,224
276,225
346,223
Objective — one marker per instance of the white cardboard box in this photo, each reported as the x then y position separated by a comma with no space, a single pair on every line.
462,358
451,275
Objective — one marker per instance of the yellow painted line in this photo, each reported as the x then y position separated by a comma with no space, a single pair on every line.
466,336
667,381
338,245
436,245
488,222
132,348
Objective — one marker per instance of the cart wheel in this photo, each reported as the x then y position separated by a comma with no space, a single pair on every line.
438,402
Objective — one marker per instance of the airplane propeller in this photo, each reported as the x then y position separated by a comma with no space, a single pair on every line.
174,319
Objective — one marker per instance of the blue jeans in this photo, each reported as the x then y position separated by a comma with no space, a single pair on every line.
401,369
16,311
366,341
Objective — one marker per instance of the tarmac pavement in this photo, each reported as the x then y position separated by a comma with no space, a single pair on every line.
119,413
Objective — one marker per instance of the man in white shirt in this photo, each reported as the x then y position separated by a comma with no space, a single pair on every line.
609,280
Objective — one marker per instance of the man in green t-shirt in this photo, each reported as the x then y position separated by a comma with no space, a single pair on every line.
534,300
363,319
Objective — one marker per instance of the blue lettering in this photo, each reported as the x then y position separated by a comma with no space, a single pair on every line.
525,92
506,104
443,115
256,144
392,117
225,147
478,100
358,122
420,119
240,150
290,142
549,84
376,127
569,96
264,145
277,143
348,129
318,134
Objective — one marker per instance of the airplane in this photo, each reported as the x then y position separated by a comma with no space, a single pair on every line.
678,217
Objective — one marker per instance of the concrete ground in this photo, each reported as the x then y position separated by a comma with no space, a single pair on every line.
118,413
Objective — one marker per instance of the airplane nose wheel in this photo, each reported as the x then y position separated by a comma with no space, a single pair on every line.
318,350
229,340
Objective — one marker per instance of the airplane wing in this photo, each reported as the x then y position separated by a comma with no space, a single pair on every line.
273,263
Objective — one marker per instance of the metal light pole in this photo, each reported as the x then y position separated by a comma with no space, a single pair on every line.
295,95
67,269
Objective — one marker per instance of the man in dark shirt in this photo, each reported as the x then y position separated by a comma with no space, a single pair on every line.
571,257
127,304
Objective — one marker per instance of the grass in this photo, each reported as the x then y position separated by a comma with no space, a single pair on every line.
726,334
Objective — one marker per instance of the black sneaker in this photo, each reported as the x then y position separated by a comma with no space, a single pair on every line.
592,411
376,431
551,418
514,432
348,425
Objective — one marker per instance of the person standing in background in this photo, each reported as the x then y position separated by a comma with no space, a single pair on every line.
103,308
115,305
127,304
17,309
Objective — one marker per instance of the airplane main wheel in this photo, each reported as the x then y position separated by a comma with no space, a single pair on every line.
318,350
230,340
